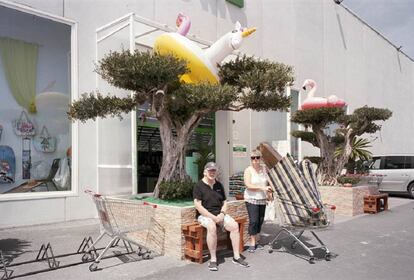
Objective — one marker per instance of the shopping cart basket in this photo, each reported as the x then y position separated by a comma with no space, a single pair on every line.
118,218
298,204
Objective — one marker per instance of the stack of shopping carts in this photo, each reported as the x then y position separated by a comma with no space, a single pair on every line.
115,216
298,201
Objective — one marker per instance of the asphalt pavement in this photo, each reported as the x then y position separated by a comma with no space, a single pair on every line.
368,246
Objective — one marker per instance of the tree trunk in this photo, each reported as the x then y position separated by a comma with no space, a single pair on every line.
343,159
174,147
331,166
326,169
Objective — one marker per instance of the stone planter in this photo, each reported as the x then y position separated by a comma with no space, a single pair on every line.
165,236
348,201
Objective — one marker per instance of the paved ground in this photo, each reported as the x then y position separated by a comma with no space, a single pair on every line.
379,246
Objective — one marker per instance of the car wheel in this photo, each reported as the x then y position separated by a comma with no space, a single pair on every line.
411,190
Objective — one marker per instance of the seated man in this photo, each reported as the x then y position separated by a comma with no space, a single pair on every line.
210,202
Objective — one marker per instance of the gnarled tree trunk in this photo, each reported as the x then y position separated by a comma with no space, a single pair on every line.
330,167
326,169
174,146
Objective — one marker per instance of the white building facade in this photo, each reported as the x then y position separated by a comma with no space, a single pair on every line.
322,40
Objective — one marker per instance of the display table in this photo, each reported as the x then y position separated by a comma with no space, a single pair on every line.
375,203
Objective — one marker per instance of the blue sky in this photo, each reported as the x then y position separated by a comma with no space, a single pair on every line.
392,18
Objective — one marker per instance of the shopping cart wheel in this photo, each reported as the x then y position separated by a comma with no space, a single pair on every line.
147,255
93,267
311,260
87,257
328,257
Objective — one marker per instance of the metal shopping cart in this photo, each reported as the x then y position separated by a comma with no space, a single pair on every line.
298,203
118,218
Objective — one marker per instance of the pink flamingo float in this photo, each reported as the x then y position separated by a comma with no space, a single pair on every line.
183,23
312,102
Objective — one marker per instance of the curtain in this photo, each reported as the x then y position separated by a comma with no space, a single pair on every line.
20,67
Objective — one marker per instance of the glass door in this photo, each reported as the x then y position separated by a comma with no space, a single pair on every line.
200,150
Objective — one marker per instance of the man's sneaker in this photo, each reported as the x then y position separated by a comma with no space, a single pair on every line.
213,266
251,249
259,247
240,262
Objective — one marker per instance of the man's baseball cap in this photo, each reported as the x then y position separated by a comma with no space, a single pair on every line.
210,166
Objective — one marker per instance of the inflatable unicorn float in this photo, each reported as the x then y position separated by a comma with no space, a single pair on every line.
312,102
202,63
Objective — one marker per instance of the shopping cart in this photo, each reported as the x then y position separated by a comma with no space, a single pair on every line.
118,218
298,203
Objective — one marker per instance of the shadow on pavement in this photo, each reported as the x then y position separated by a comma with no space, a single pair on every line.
13,248
287,244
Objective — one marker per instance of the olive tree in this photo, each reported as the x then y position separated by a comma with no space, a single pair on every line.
245,83
362,120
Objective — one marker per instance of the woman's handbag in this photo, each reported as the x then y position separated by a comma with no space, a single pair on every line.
23,126
44,142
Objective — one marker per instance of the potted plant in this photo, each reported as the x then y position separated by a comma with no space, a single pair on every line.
240,195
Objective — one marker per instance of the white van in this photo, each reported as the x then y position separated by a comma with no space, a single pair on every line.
397,173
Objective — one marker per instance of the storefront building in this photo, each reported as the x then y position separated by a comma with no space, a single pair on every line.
48,51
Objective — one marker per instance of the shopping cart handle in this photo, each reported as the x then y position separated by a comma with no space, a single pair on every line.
90,192
150,204
316,209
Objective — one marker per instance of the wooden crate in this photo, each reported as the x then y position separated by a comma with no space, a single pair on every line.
195,239
375,203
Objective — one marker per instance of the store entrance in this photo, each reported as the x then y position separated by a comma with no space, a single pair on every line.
201,149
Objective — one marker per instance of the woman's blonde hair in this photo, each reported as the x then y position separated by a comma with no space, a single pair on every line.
255,153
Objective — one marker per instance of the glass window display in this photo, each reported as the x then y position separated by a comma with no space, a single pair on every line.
35,133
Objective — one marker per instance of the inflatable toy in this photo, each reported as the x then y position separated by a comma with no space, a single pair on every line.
312,102
202,63
183,23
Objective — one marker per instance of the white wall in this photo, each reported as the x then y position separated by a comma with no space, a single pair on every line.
327,43
320,39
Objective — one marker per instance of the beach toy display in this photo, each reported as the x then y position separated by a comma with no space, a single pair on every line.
202,63
312,102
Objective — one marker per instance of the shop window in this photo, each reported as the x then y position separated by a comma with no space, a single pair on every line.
35,91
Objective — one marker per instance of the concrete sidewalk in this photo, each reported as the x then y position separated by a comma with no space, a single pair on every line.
379,246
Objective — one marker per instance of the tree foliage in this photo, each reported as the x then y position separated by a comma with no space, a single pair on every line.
246,83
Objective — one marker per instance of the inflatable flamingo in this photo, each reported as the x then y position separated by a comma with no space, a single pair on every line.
312,102
202,63
183,23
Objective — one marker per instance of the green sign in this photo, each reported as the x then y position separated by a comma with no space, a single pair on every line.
238,3
239,150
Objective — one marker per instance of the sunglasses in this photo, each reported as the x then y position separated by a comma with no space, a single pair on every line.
252,158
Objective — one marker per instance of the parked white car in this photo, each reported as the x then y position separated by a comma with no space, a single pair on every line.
395,173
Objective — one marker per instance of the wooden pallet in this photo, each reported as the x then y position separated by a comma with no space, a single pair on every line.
375,203
195,239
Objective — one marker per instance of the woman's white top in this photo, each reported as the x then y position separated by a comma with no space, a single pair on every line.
257,179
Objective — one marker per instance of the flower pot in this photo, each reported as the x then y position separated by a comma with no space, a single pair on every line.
239,196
